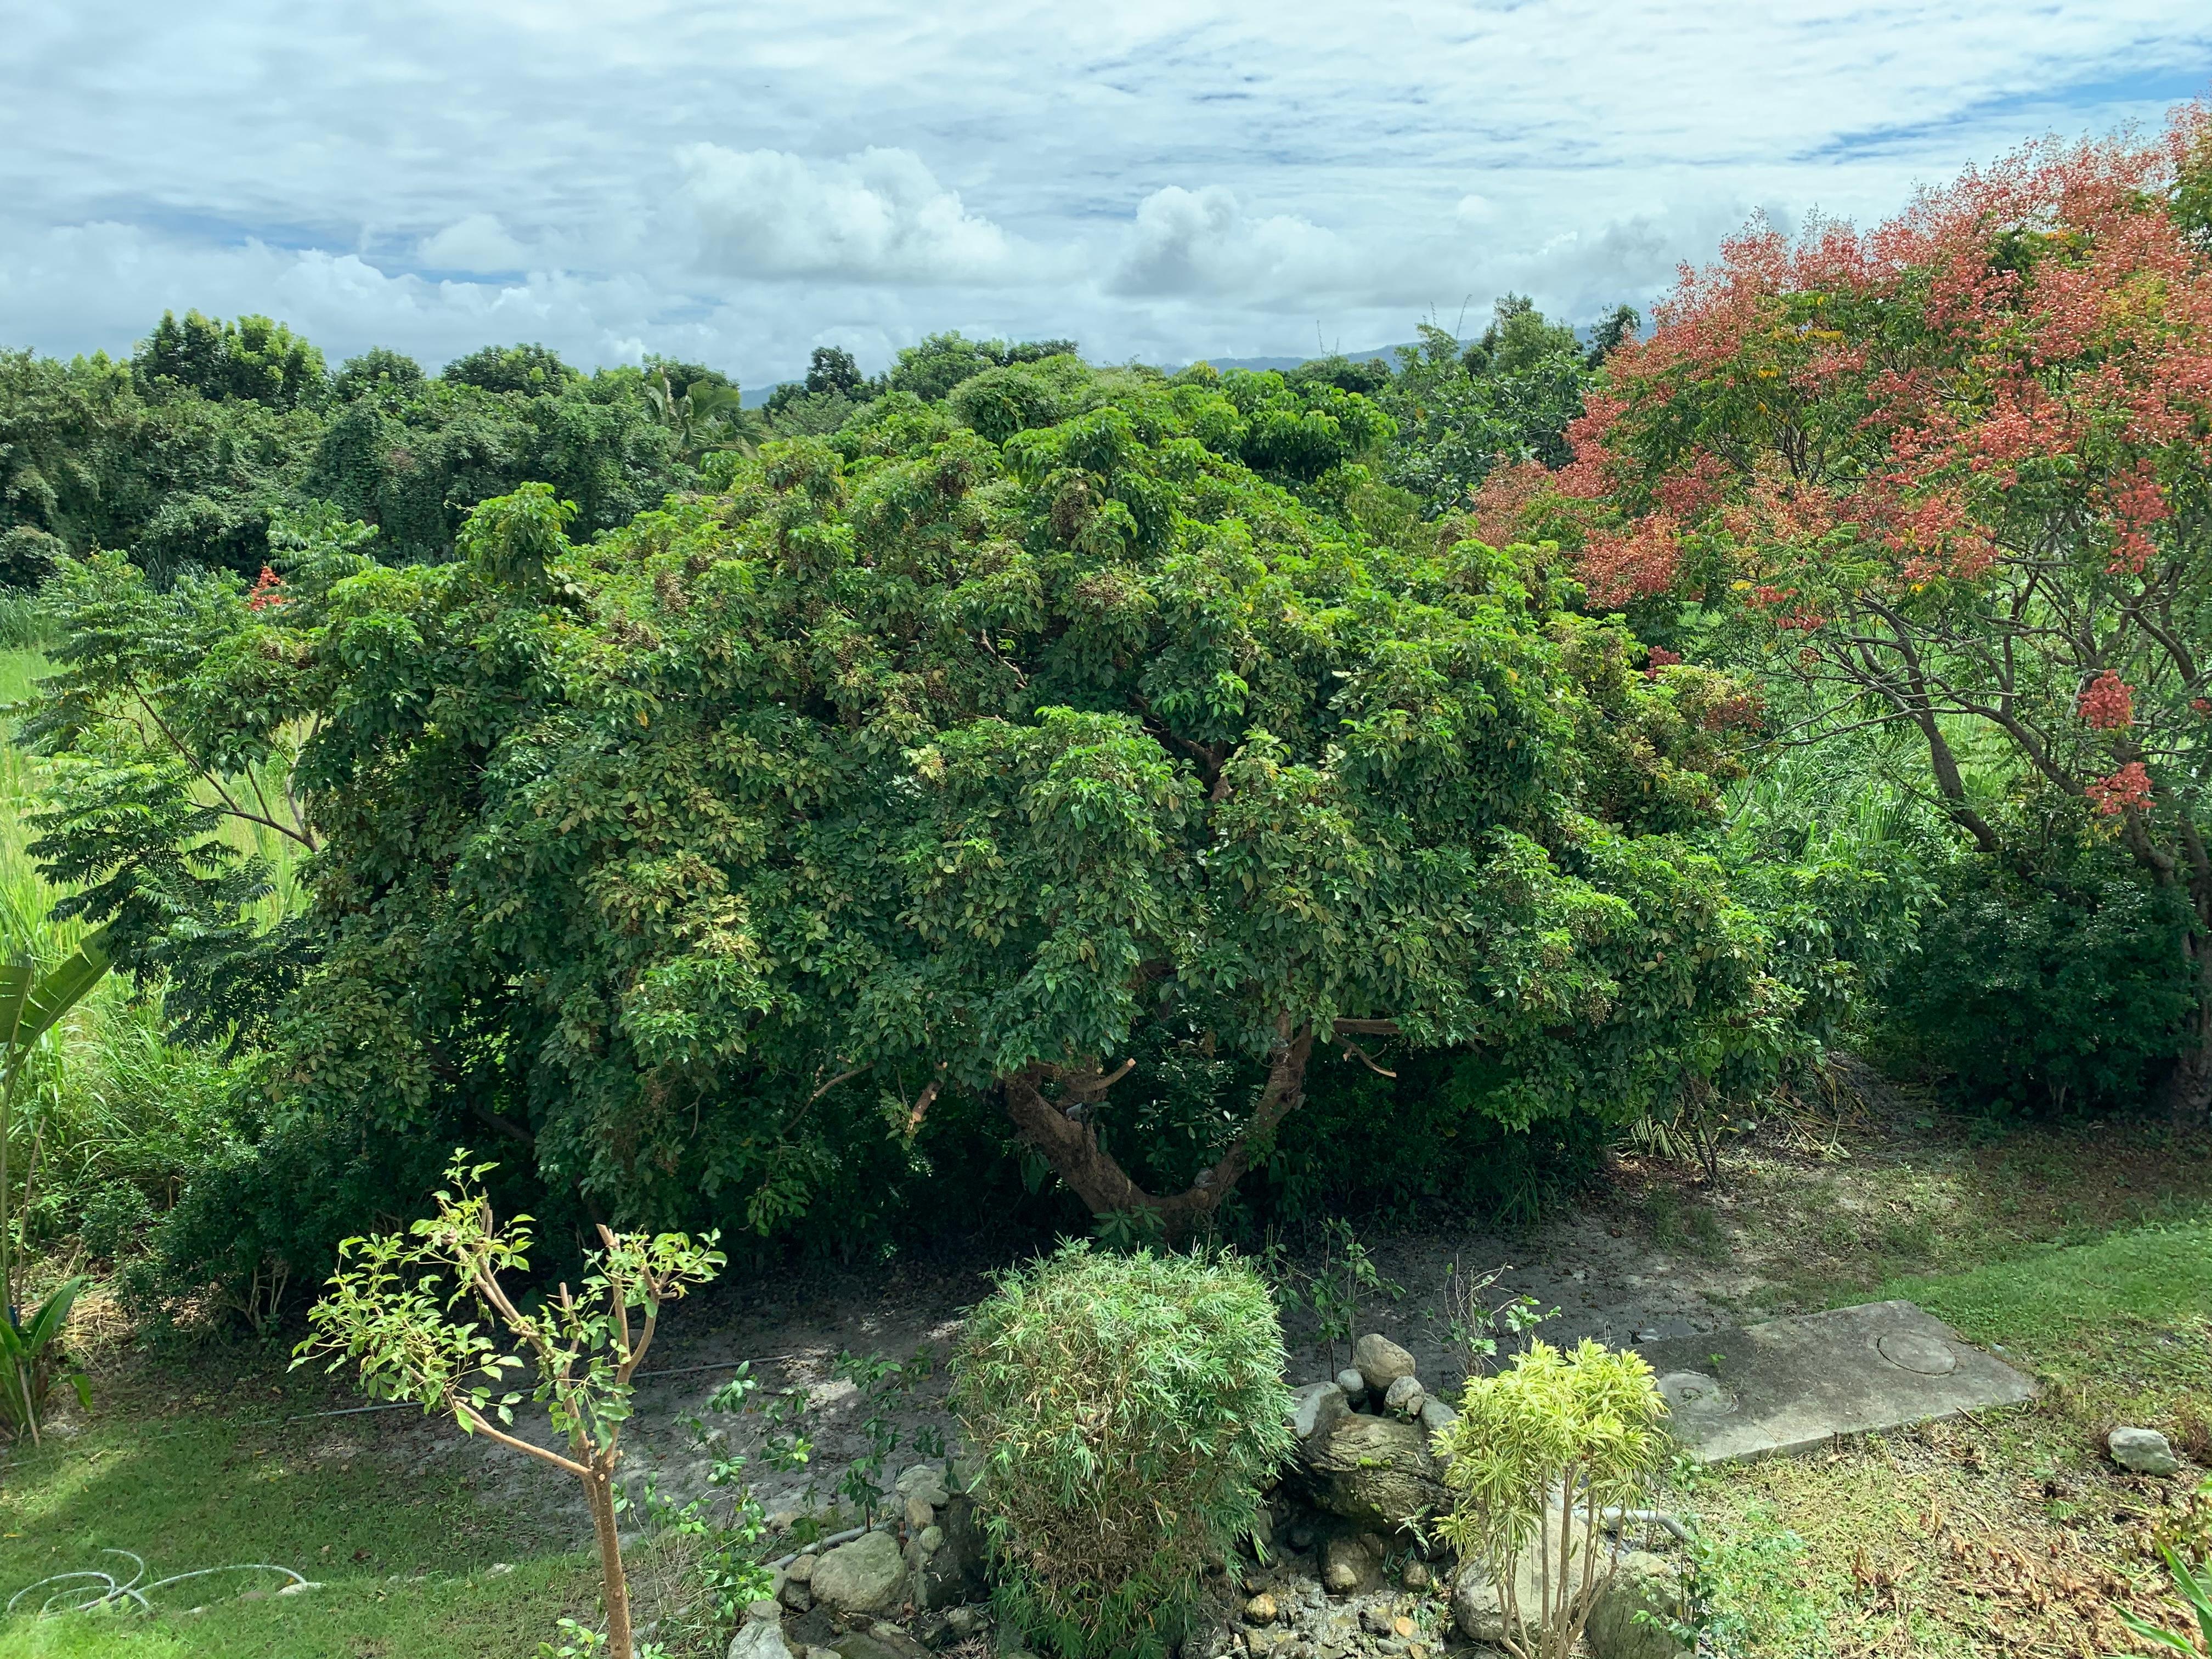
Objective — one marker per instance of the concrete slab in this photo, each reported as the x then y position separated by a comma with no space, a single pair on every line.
1792,1384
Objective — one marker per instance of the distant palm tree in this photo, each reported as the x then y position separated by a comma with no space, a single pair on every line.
704,415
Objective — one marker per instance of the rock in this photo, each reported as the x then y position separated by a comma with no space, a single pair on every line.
1260,1609
1377,1470
1376,1621
1477,1608
878,1641
801,1569
759,1639
1380,1361
919,1513
925,1482
1350,1564
1406,1396
1416,1575
2142,1451
795,1595
928,1542
1263,1531
1316,1409
865,1576
1642,1584
766,1610
1353,1384
1436,1416
952,1571
964,1621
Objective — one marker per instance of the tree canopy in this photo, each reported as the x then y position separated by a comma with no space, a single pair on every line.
983,746
1951,478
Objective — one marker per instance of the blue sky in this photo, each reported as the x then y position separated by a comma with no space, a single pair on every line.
737,183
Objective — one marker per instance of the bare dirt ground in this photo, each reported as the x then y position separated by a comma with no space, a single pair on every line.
1813,1207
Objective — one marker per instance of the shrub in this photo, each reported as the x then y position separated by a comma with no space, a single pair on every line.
1129,1410
2062,992
1574,1433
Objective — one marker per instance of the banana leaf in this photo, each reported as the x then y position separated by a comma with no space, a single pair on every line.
32,1360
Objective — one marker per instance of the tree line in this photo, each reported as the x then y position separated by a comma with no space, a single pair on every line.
1184,798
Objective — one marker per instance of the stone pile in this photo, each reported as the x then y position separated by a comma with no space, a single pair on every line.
1337,1567
877,1595
1353,1577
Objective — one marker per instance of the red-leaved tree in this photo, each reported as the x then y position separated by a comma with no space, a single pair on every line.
1955,474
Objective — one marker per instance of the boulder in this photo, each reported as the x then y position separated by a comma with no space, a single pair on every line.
801,1569
1316,1409
1353,1384
1436,1416
1351,1564
760,1639
2142,1451
1380,1361
1642,1584
878,1641
1376,1470
1406,1396
925,1482
951,1572
865,1576
1477,1608
1260,1609
919,1513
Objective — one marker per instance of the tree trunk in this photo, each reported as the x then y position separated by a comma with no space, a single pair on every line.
1071,1145
598,1489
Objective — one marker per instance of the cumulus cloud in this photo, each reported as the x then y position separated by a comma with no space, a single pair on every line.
692,179
880,215
477,243
1203,241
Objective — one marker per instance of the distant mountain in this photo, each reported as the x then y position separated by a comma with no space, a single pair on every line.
1388,354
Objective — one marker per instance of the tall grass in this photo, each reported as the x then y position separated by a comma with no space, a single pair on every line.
106,1100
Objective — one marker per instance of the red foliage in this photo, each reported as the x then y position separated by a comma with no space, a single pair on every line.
1657,658
1617,569
269,591
2109,704
2129,787
2043,336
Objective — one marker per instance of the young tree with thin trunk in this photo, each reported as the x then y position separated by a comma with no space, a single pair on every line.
419,1312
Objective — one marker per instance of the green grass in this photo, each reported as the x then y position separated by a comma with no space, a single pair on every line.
2049,1301
1900,1527
400,1555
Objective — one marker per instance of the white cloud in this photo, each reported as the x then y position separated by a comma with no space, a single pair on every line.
1203,243
735,185
477,243
880,215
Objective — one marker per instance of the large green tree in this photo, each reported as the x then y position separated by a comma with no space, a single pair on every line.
925,763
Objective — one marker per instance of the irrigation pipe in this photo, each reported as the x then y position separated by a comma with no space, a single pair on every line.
85,1590
642,1377
820,1544
1618,1519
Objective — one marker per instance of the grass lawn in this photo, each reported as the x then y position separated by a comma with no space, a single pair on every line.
2012,1534
186,1483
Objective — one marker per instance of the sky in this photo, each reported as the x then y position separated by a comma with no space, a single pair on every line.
735,183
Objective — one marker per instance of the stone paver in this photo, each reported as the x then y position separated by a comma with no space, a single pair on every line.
1788,1385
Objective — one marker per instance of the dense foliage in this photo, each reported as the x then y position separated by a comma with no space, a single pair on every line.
1953,476
1128,1410
921,762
